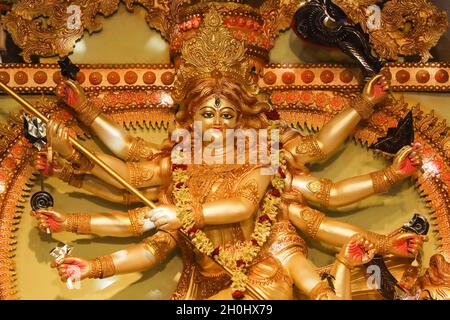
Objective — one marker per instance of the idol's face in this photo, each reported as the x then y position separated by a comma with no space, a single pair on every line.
217,114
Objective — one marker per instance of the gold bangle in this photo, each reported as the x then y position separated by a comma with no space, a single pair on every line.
76,180
139,150
66,173
107,266
72,222
381,242
74,156
309,146
96,269
159,245
391,176
87,112
321,190
380,185
313,219
79,223
363,106
139,175
137,220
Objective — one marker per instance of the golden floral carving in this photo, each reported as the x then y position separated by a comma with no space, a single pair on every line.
408,27
41,27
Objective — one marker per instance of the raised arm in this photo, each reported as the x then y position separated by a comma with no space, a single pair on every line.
320,146
140,174
328,194
118,141
138,258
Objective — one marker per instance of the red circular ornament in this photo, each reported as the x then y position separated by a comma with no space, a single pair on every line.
422,76
57,77
9,163
402,76
308,76
81,77
130,77
4,77
167,78
21,77
327,76
40,77
441,76
288,77
270,77
95,78
149,77
346,76
113,77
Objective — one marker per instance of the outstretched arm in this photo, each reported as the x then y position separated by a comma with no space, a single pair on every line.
333,134
114,224
330,194
138,258
120,142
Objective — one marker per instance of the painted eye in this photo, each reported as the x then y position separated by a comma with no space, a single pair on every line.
227,116
208,115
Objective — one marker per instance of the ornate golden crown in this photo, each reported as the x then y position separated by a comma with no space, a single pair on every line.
212,53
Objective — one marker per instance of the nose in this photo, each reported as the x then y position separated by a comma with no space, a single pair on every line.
217,120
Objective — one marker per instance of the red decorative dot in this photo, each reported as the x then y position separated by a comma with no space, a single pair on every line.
441,76
402,76
4,77
9,163
21,77
40,77
81,77
422,76
57,77
386,73
346,76
131,77
95,78
149,77
270,77
308,76
288,77
241,21
167,78
326,76
113,77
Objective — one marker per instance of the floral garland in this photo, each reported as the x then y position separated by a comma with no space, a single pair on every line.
237,261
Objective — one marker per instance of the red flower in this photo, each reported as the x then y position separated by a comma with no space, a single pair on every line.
254,242
281,173
237,295
179,166
275,193
240,263
216,251
272,115
264,218
192,231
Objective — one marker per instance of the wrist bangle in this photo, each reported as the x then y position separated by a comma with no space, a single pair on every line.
363,106
137,220
79,223
87,112
391,175
379,182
